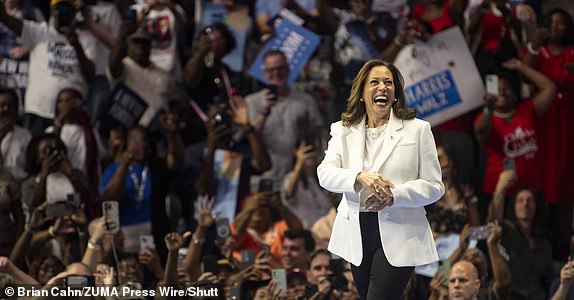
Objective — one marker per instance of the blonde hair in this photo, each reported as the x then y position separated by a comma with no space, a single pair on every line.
356,108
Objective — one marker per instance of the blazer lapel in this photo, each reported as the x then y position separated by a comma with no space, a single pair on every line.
392,137
356,145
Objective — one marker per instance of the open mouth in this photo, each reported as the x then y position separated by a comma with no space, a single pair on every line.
380,99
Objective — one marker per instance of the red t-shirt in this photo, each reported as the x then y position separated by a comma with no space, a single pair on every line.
272,237
556,140
439,24
493,29
515,140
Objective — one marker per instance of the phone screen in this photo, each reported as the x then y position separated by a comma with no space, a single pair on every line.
59,209
111,212
280,278
146,241
508,164
492,84
266,185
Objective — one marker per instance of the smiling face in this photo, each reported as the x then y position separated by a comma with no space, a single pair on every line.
507,98
558,26
525,205
379,94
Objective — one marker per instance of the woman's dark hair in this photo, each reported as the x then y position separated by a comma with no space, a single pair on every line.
356,108
32,166
36,263
568,38
453,162
147,134
513,79
230,42
12,93
539,222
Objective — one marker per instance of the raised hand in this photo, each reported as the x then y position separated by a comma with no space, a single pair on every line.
6,265
203,207
104,275
304,152
239,111
173,241
495,233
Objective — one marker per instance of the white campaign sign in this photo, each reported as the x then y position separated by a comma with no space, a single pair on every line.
441,78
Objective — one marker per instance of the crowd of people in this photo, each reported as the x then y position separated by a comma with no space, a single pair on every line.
213,183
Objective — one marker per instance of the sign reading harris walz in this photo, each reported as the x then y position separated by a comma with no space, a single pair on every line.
295,41
124,109
441,78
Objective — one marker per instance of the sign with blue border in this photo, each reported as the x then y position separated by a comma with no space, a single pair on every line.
433,94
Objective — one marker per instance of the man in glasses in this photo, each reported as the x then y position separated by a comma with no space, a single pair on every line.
280,114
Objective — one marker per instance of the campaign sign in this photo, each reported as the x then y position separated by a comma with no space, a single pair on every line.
432,94
13,73
441,78
295,41
125,109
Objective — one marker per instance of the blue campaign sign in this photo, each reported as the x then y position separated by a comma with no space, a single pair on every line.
295,41
432,94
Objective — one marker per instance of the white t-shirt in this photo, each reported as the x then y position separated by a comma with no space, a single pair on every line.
152,84
58,187
13,149
75,140
106,15
161,26
372,160
53,66
308,203
283,128
73,136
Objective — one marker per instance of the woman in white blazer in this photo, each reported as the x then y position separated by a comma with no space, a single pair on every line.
385,163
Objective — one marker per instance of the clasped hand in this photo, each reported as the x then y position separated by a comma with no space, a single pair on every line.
380,187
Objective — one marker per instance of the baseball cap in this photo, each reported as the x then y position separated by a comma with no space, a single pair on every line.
54,2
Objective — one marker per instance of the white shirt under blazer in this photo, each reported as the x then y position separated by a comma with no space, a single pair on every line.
410,162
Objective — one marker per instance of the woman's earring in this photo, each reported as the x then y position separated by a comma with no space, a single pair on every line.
361,100
396,99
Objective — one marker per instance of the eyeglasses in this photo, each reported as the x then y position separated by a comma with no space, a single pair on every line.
275,69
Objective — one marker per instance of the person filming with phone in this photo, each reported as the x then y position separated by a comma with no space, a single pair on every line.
523,238
506,127
277,113
385,163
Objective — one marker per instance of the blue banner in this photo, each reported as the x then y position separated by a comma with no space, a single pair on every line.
432,94
295,41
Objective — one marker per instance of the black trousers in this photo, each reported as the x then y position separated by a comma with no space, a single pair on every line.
375,278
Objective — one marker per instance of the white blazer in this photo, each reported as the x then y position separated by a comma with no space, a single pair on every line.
410,162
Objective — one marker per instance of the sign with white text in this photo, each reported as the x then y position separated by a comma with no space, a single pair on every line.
295,41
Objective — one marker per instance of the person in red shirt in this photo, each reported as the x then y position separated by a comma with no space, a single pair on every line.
254,225
434,16
551,51
494,32
440,14
507,127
